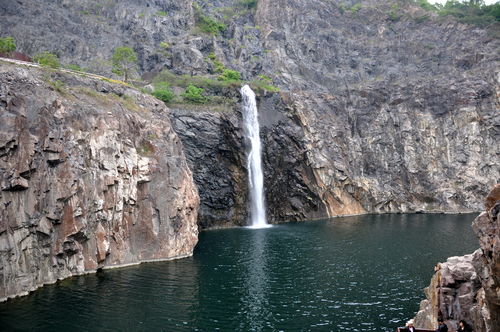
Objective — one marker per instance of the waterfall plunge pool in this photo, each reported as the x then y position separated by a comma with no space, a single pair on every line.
363,273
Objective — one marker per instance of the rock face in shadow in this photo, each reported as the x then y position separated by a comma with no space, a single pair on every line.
467,287
214,147
92,176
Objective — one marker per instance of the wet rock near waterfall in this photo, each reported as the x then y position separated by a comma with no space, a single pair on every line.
89,179
215,151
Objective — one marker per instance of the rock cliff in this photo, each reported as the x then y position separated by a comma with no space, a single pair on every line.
92,176
390,118
468,287
384,107
216,153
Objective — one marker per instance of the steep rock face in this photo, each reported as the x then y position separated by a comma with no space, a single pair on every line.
216,153
388,108
487,228
92,176
468,287
453,293
87,32
392,117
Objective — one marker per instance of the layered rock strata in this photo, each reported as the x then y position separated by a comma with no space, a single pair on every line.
92,176
384,107
468,287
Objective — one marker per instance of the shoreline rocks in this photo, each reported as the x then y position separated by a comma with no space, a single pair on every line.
467,287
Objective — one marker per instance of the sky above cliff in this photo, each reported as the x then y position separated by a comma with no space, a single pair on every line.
488,2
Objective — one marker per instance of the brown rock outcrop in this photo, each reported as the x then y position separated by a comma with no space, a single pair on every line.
468,287
92,176
487,228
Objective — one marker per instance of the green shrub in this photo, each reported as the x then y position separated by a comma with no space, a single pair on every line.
161,13
354,9
184,81
472,11
207,24
219,66
342,8
263,85
7,45
194,95
163,92
265,78
229,75
394,16
47,59
426,5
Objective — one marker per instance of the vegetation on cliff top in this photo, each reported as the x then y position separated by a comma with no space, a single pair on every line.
474,12
467,11
194,95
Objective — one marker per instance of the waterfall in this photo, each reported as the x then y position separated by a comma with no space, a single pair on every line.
254,163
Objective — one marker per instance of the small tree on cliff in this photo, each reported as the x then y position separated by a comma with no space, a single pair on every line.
124,61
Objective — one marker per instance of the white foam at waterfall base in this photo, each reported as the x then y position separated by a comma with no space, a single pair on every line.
254,160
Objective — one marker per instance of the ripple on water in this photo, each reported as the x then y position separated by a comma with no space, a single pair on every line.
346,274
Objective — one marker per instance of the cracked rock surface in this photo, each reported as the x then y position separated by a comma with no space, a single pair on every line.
92,176
467,287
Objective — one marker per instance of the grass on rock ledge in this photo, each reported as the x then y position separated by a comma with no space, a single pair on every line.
217,91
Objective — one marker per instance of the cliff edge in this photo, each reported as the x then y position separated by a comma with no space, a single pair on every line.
92,176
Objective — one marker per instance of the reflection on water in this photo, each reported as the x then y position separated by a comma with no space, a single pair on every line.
363,273
255,304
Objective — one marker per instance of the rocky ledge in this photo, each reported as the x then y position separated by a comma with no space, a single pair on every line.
468,287
92,176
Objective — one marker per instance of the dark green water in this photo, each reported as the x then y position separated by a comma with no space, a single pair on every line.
346,274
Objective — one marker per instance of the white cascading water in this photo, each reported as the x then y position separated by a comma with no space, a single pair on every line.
254,162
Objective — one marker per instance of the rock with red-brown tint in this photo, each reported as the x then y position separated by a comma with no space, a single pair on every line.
16,56
492,203
88,179
487,228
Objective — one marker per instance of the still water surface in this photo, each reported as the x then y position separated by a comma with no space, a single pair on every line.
346,274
